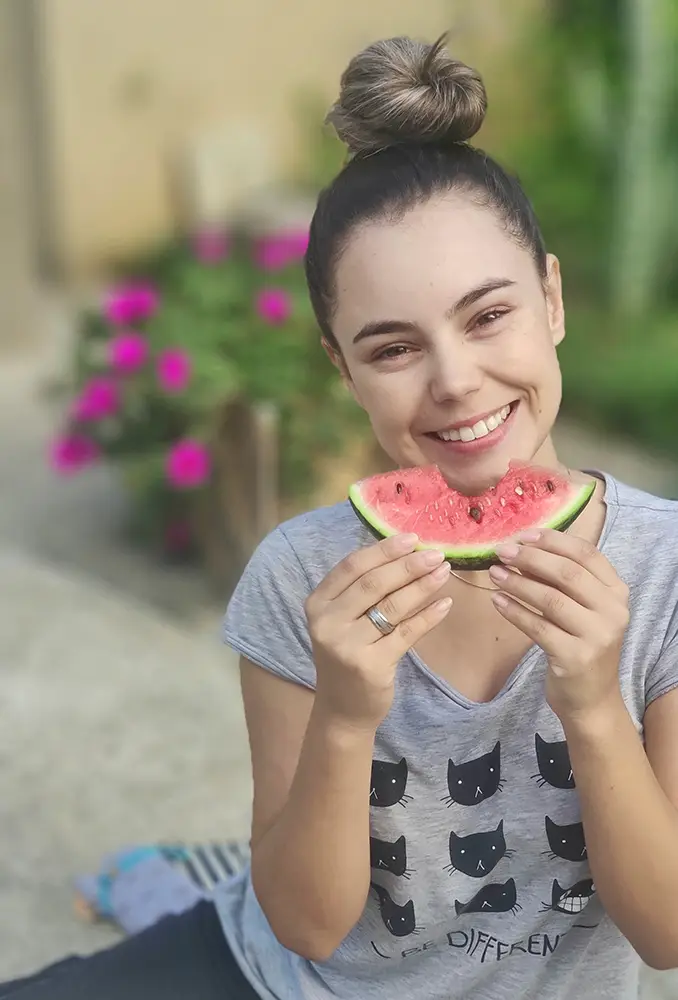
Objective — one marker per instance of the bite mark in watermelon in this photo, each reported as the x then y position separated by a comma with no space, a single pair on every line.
467,529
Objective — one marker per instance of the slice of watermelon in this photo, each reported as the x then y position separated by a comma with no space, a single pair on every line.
468,529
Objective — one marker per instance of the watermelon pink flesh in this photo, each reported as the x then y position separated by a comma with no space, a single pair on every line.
467,529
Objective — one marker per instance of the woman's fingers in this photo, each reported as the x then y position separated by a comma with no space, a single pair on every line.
383,582
357,564
410,631
400,605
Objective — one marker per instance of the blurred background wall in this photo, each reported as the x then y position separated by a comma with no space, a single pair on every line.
143,112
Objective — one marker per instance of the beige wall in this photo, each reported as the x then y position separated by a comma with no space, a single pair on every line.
131,83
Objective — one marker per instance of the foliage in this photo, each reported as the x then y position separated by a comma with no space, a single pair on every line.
598,155
224,316
626,387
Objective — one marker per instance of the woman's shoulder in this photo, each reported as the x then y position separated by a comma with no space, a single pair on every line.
633,508
317,539
640,540
325,534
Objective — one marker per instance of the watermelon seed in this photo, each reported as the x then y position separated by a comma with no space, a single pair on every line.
519,490
502,501
476,513
550,487
399,487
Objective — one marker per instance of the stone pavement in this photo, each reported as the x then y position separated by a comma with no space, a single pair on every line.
121,716
117,726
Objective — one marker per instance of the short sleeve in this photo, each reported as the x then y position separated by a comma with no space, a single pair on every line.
265,619
663,676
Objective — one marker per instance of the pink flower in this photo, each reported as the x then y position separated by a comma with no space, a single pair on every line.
273,253
127,352
131,303
211,246
188,464
273,305
99,398
173,370
73,452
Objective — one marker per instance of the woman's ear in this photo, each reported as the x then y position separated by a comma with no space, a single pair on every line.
554,299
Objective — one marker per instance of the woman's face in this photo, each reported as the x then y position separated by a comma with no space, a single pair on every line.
449,342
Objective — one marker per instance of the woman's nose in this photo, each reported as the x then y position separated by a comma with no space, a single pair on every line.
455,373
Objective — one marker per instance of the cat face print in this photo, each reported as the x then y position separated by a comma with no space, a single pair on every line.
572,900
398,918
553,760
391,857
474,780
478,853
388,784
498,897
566,842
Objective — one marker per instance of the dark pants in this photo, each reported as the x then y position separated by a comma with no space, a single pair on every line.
185,957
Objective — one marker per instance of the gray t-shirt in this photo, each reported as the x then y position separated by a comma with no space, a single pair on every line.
481,886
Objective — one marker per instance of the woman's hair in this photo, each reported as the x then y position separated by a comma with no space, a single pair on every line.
406,111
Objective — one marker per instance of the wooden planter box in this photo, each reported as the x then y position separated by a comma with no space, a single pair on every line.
244,502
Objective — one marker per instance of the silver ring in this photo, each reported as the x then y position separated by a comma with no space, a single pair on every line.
380,621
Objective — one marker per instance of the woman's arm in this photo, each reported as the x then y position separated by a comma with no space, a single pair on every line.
310,833
312,754
629,801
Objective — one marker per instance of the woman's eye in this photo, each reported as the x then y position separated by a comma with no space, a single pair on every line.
389,353
490,317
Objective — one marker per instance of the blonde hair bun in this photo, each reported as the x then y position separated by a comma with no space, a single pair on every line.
401,91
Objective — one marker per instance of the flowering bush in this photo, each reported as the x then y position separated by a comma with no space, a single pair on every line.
204,321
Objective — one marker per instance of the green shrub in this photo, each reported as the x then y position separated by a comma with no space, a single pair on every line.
200,323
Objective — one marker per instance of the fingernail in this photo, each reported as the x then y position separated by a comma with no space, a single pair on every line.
507,550
443,605
500,600
404,542
499,573
529,536
432,558
442,572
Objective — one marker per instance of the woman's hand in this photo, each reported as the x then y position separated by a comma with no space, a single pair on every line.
579,619
355,664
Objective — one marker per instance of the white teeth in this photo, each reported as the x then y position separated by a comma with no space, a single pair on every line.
479,430
450,435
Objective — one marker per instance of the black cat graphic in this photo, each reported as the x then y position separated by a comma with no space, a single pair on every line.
390,857
388,784
498,897
554,764
566,842
399,920
475,780
571,901
477,854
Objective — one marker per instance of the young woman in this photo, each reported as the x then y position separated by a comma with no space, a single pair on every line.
474,793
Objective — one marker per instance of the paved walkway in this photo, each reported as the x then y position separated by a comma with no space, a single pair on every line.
121,715
117,726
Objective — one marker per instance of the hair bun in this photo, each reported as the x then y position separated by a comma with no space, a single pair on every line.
399,91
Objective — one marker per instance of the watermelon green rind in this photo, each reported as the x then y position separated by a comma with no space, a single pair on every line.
476,558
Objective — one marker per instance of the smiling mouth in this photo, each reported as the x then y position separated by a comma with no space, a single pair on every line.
480,429
572,904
